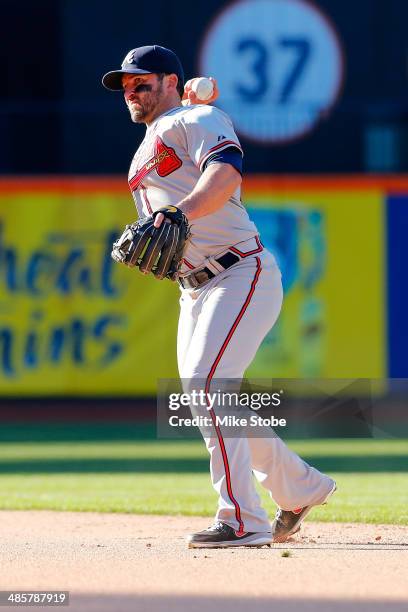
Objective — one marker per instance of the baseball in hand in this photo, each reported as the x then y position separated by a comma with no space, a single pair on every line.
203,88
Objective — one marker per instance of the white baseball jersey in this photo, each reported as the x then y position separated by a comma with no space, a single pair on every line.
167,166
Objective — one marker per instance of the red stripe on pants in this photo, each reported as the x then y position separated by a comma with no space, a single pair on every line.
207,388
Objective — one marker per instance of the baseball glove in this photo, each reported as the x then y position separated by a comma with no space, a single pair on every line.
155,250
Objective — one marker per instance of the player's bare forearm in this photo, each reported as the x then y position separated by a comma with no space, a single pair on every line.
214,188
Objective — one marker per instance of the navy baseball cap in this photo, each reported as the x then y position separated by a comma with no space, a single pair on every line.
145,60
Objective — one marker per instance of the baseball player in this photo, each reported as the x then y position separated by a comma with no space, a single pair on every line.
189,166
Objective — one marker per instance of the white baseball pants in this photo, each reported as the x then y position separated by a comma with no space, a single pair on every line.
221,326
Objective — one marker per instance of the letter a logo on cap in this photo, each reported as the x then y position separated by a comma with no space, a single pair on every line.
129,59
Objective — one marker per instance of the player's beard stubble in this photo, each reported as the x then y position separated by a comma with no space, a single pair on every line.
142,109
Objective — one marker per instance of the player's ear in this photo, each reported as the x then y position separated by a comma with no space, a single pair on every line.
172,81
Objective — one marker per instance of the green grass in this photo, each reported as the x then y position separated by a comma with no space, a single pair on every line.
167,477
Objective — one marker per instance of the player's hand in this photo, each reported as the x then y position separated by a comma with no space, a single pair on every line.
190,97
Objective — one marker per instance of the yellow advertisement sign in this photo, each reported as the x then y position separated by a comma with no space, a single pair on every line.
330,248
72,320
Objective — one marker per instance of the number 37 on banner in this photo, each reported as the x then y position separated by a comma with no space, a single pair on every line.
279,66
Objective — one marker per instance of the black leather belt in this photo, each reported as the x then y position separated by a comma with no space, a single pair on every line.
195,279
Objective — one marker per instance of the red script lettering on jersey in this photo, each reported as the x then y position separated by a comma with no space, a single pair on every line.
165,161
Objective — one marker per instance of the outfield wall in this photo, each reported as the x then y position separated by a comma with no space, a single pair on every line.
72,322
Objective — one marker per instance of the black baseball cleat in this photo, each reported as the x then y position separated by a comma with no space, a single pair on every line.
287,522
221,535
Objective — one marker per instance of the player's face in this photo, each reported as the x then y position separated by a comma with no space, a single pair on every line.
143,94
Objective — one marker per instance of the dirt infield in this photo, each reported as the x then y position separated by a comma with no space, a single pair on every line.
141,563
